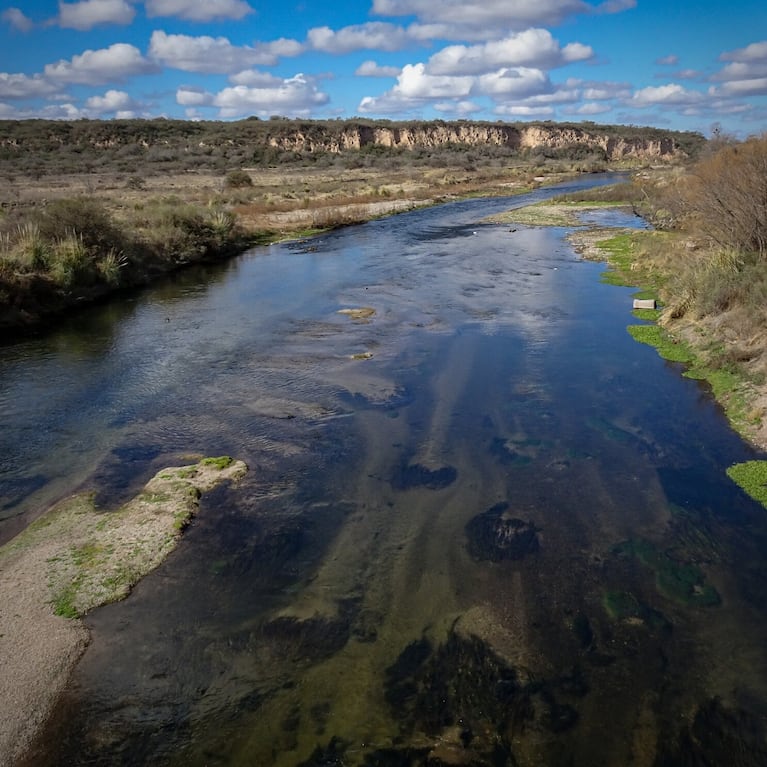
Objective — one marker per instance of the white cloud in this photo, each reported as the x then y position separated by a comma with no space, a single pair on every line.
756,86
589,108
484,13
113,102
115,64
514,83
752,52
89,13
21,86
198,10
375,35
521,110
189,96
416,87
415,83
210,54
298,96
254,79
668,61
457,108
461,19
531,48
671,94
17,19
371,69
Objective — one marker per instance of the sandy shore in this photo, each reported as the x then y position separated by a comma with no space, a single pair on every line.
70,560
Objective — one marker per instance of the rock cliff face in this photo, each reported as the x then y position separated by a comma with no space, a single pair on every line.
606,143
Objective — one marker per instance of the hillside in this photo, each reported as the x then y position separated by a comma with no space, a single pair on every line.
41,147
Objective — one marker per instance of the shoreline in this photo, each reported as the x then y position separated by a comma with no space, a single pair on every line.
69,561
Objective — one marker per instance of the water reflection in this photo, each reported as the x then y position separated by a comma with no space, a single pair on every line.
506,538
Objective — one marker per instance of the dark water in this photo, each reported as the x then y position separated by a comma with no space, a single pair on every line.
506,538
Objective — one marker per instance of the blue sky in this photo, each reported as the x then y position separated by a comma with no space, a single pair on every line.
687,65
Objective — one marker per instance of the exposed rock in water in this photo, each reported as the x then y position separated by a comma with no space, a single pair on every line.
495,536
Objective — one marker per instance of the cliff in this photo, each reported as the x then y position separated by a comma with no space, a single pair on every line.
608,143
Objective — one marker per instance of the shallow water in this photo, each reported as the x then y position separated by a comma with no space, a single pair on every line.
505,538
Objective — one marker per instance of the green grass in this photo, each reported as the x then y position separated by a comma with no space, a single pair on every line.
751,476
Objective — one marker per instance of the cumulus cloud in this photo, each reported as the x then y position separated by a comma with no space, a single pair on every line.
17,19
494,17
190,96
533,47
21,86
524,110
416,87
745,74
457,108
114,102
752,52
668,61
296,96
671,94
514,83
115,64
588,109
198,10
90,13
215,54
371,69
375,35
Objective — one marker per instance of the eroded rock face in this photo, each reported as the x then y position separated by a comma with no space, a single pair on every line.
495,535
430,135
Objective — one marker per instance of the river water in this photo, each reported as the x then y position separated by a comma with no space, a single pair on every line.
481,527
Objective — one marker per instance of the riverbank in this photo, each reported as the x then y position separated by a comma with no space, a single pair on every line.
69,561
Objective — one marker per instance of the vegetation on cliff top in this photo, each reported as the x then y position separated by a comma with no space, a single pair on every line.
160,145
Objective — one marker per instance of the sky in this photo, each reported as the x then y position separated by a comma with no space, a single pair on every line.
680,64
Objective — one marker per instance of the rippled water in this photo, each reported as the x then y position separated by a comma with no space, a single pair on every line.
507,537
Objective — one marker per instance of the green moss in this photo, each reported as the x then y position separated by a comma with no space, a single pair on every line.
752,477
666,345
220,463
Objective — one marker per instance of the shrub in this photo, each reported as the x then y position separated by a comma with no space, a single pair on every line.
238,179
727,196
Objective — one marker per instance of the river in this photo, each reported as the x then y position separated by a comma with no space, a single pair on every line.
482,526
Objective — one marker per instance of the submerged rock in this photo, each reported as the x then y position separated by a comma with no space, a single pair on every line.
495,536
408,476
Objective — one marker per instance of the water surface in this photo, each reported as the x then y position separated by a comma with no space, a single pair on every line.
484,527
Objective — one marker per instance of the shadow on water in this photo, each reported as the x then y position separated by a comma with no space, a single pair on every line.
504,538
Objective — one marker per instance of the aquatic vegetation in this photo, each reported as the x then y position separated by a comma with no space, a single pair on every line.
416,475
667,346
624,606
682,582
496,536
752,477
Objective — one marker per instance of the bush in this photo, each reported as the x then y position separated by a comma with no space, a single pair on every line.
238,179
727,197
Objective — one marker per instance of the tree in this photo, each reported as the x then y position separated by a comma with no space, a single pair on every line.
727,196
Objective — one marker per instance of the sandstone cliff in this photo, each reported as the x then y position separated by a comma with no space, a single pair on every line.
641,144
